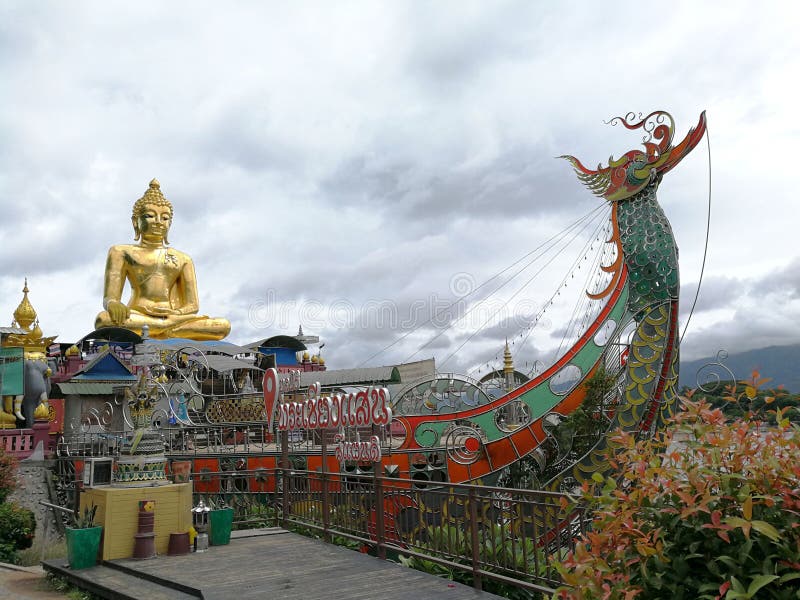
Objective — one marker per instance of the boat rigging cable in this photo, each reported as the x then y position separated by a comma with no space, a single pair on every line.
442,310
489,319
579,319
705,248
549,302
586,223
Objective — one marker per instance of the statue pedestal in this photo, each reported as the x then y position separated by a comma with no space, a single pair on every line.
118,513
141,470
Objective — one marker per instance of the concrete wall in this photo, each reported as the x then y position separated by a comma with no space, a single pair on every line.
32,487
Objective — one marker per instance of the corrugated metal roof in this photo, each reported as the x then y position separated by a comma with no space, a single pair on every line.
14,330
351,376
417,370
279,341
222,364
205,347
89,388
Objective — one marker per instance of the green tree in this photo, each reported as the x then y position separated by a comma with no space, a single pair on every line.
574,436
590,420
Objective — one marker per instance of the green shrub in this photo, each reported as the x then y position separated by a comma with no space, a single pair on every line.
17,527
507,556
716,516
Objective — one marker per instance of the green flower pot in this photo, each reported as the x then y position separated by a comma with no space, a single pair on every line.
83,546
221,521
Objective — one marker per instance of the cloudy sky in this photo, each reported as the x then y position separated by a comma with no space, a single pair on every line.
358,166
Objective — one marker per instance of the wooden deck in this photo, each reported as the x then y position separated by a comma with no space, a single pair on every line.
269,564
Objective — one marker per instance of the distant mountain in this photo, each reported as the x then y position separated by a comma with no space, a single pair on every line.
781,363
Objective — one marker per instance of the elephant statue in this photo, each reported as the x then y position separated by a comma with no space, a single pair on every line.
36,378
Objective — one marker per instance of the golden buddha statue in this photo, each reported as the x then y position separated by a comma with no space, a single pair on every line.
162,280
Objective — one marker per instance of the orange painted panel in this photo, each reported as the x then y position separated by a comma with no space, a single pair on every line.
457,472
538,430
206,484
57,414
264,478
314,465
501,452
524,440
479,469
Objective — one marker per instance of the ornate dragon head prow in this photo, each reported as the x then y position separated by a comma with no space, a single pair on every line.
634,170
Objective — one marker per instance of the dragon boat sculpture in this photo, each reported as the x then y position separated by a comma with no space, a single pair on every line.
447,428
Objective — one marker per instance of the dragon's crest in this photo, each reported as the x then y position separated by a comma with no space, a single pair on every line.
634,170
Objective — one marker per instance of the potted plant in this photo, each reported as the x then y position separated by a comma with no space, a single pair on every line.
220,524
83,540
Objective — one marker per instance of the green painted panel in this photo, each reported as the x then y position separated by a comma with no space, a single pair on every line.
11,368
487,423
429,433
541,399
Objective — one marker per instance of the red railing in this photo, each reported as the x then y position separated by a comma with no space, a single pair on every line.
20,443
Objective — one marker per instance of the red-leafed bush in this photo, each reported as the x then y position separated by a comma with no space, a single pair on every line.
8,475
710,509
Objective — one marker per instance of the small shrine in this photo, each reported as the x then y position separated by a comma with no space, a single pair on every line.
24,371
142,460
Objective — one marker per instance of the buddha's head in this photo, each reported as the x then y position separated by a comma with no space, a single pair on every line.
152,215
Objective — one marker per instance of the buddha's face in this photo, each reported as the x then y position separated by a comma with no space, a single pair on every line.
153,222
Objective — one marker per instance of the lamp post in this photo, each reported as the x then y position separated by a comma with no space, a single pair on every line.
200,522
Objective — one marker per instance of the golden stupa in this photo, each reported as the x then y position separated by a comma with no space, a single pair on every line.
34,345
32,340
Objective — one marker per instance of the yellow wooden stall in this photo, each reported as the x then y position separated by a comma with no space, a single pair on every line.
118,513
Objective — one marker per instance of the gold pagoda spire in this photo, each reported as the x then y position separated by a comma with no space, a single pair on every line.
25,313
32,340
508,362
508,368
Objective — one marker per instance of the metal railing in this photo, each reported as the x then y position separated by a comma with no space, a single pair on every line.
57,518
508,535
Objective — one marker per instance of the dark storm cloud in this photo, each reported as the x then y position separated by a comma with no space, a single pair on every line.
508,328
785,280
746,329
716,292
521,181
241,137
459,46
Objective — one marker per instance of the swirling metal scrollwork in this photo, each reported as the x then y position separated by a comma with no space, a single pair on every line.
443,393
464,444
712,372
427,436
653,124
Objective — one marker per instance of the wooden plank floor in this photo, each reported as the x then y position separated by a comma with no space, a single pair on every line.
286,565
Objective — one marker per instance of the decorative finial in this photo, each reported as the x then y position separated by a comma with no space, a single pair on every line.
25,314
154,185
508,362
32,340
